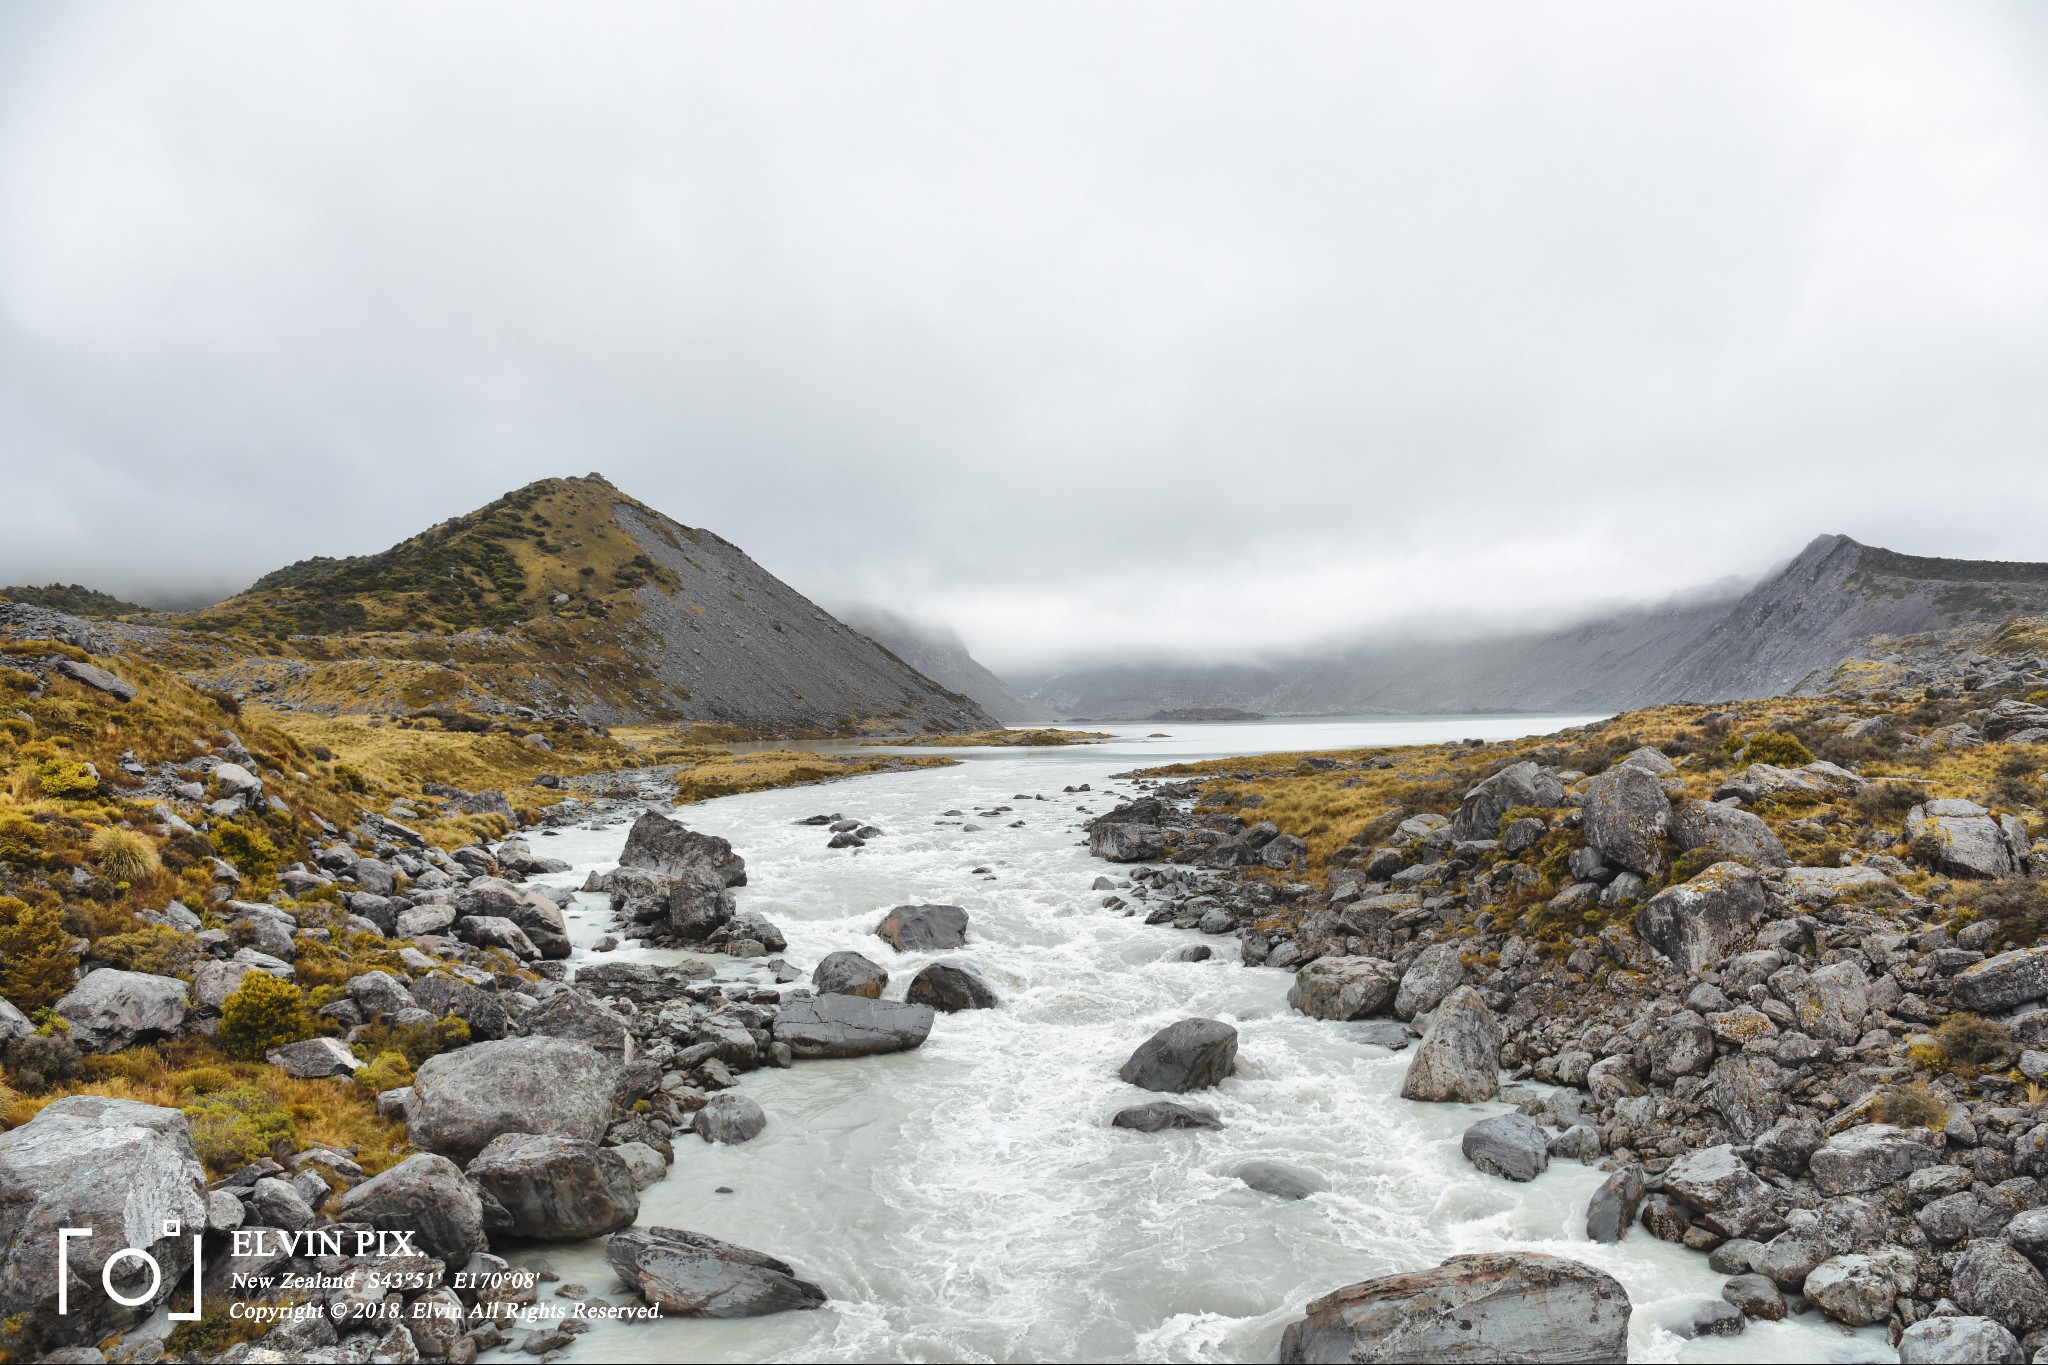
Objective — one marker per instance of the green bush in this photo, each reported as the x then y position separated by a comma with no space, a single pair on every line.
235,1126
250,850
159,950
36,965
1776,748
264,1012
1966,1045
66,779
414,1042
1908,1106
388,1072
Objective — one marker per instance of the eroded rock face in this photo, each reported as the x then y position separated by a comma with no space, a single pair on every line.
1507,1306
110,1009
924,928
1344,987
1193,1054
122,1169
1627,818
1730,831
1696,923
1459,1055
548,1086
850,1025
1963,839
557,1189
950,989
427,1196
692,1275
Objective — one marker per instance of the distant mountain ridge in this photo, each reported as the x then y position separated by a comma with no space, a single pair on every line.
939,654
1836,599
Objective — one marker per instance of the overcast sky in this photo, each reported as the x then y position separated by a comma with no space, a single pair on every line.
1083,328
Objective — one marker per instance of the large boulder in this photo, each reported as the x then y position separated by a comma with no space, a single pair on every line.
691,1275
1726,1195
1963,839
1511,1145
850,1025
1519,784
1459,1056
1627,818
580,1018
547,1086
1344,987
539,918
1436,971
1959,1340
1192,1054
1730,831
110,1009
950,989
2001,983
845,973
1749,1092
1855,1289
427,1196
1696,923
314,1058
1500,1306
1129,834
124,1169
659,844
1829,1003
557,1189
1995,1281
478,1008
730,1118
924,928
1612,1210
495,931
1869,1157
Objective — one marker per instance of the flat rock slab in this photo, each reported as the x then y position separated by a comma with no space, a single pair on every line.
1193,1054
924,928
850,1025
691,1275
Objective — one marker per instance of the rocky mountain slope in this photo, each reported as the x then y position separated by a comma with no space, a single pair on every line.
940,655
1837,599
565,598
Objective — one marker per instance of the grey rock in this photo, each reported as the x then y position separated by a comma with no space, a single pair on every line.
658,844
1756,1296
1868,1158
314,1058
1436,972
1748,1091
1696,923
1280,1179
545,1086
691,1275
1459,1056
277,1204
1613,1208
1959,1341
97,678
495,931
1787,1259
1344,987
1163,1114
924,928
1962,839
1857,1290
1627,817
538,917
1519,784
950,989
1503,1306
730,1118
579,1017
1730,831
1728,1196
427,1196
850,1026
1787,1145
1995,1281
1192,1054
845,973
1828,1003
2001,983
378,993
557,1189
482,1011
647,1164
1511,1145
111,1009
214,982
1682,1045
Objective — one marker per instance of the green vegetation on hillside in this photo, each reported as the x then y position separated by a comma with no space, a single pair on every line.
74,600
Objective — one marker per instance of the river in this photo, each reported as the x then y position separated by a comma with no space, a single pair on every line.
968,1200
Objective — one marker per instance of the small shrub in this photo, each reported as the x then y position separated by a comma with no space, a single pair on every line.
2039,698
263,1013
158,949
235,1126
389,1071
66,779
36,965
1776,748
415,1042
2019,904
39,1061
250,850
1965,1045
350,778
1909,1106
124,855
1882,802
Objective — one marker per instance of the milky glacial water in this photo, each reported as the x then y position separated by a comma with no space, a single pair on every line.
968,1200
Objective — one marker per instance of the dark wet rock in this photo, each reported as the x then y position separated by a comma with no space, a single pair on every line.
1755,1296
1192,1054
427,1196
950,989
850,1026
547,1086
924,928
1344,987
1503,1306
1511,1145
1459,1056
1703,1318
847,973
691,1275
1163,1114
1696,923
557,1189
1280,1179
1129,834
1613,1208
730,1118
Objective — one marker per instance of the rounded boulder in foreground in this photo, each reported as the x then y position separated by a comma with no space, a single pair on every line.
1193,1054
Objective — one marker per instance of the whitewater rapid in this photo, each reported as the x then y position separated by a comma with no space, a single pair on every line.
968,1200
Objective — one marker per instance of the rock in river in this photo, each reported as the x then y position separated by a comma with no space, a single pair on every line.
950,989
1163,1114
555,1188
552,1086
730,1117
1459,1056
1280,1179
1513,1145
692,1275
1501,1306
845,973
1344,987
426,1196
1193,1054
924,928
850,1025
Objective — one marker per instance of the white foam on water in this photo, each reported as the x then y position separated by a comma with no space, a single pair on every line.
968,1200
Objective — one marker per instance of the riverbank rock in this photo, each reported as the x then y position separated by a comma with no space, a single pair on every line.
1502,1306
1870,1157
123,1169
659,844
1163,1114
1627,817
1193,1054
427,1196
546,1086
846,973
1436,971
1696,923
691,1275
1459,1055
730,1117
1612,1210
539,918
111,1009
950,989
1959,1340
850,1026
557,1189
924,928
1723,1193
1344,987
1511,1145
1128,834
